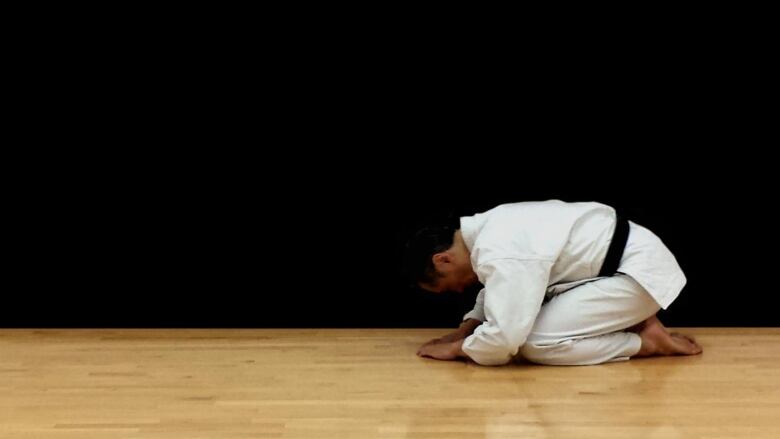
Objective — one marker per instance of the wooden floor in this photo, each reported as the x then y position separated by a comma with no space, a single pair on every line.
368,383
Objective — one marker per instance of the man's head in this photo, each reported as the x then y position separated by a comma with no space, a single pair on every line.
437,260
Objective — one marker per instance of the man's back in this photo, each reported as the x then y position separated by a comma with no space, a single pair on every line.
573,238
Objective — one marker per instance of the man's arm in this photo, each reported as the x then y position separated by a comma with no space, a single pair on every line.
459,350
514,291
468,326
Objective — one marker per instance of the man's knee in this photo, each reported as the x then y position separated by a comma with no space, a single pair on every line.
547,353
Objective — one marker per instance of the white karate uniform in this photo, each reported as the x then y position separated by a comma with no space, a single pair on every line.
524,253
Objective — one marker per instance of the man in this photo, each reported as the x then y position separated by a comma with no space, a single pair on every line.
564,284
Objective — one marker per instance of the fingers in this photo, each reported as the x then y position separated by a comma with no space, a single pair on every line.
431,342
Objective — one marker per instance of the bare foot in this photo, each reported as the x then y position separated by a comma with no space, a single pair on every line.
677,334
656,340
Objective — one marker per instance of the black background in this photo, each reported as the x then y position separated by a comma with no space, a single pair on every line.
274,186
320,245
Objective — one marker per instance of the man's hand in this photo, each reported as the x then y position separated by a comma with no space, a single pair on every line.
449,338
443,351
466,328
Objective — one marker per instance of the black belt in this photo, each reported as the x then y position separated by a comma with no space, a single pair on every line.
616,247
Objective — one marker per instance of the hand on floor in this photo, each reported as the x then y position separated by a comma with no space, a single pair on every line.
440,351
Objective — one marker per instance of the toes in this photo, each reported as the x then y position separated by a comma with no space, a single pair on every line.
687,337
692,348
679,346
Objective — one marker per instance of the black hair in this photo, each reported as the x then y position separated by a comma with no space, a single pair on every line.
420,248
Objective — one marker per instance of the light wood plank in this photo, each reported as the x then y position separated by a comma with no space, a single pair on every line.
368,383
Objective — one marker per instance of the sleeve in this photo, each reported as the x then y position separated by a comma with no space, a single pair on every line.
477,312
513,294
